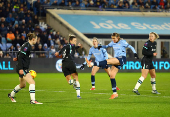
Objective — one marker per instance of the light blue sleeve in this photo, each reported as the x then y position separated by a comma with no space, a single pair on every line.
89,56
109,45
105,54
126,45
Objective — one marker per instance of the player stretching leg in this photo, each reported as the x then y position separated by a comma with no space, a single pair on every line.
149,51
22,69
68,64
99,55
117,62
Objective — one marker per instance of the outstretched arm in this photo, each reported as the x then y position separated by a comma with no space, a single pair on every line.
89,56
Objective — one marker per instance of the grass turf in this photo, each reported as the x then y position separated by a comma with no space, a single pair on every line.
60,99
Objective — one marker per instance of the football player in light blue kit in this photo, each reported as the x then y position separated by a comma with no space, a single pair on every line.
117,62
100,55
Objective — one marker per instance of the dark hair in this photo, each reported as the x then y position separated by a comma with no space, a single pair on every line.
31,36
116,35
71,37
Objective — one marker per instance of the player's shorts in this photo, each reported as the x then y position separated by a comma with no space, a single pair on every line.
122,61
68,68
26,71
147,63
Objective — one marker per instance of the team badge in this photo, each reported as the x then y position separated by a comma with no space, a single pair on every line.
25,49
145,44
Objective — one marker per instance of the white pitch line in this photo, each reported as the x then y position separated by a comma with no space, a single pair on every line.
101,93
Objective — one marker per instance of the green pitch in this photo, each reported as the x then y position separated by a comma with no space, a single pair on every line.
60,99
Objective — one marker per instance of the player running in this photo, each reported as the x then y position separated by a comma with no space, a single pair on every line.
149,51
99,55
119,45
22,67
68,64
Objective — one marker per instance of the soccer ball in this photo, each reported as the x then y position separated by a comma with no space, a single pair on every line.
33,73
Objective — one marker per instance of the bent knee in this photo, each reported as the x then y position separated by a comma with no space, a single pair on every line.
23,86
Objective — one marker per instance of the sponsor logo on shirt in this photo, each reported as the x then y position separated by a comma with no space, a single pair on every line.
25,49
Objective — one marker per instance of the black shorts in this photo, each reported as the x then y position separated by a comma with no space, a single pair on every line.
68,68
146,63
26,71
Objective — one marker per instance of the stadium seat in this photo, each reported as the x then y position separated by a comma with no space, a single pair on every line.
82,5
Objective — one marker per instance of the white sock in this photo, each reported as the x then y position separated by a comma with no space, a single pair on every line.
141,79
78,88
93,86
16,89
32,91
153,83
70,81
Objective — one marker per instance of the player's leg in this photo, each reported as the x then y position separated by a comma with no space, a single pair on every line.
76,84
93,72
107,70
17,89
113,73
153,81
140,80
28,78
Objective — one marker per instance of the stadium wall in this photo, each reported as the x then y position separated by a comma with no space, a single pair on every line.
54,65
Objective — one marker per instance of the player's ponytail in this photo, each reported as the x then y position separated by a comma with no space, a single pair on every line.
156,35
116,35
71,37
31,36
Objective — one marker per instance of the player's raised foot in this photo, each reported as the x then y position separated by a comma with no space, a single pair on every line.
74,83
78,97
35,102
92,89
114,96
136,91
155,92
117,88
89,63
12,98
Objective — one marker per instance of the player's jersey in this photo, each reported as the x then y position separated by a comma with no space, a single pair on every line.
68,52
99,55
149,48
23,56
119,48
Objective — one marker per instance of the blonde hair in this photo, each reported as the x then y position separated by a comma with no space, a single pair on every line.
156,35
95,38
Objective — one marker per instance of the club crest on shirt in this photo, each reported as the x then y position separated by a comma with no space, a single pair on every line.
145,44
25,49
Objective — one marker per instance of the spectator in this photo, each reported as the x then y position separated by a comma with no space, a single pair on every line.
35,20
126,6
98,4
77,4
45,48
55,3
154,2
148,4
162,3
82,51
141,7
125,1
30,29
7,55
91,4
112,6
24,34
10,37
40,54
3,22
85,2
52,35
17,33
62,42
18,40
37,29
52,51
38,6
167,7
33,54
50,41
12,51
30,23
135,6
22,29
22,8
10,19
62,3
38,42
18,47
9,6
140,3
104,4
16,27
27,18
16,7
161,8
1,10
44,37
1,54
120,5
57,35
3,30
14,14
22,23
134,1
21,15
23,40
48,30
168,2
